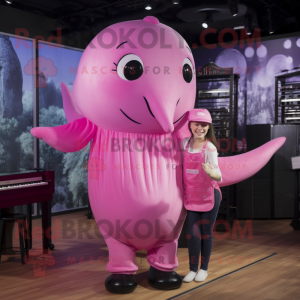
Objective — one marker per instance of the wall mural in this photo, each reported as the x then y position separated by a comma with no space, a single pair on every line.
16,100
58,65
17,90
16,106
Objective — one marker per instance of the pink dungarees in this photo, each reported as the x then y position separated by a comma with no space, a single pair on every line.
198,186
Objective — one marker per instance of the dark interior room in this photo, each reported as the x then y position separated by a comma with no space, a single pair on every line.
149,149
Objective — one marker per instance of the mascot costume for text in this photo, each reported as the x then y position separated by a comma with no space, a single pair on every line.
135,84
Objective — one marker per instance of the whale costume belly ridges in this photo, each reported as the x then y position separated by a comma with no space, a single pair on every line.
150,205
130,100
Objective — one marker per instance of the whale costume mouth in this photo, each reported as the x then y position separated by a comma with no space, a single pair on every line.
150,113
129,118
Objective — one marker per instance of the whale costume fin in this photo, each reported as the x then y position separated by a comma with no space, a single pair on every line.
70,137
72,112
240,167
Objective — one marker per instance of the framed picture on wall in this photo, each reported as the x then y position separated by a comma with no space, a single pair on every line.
59,64
17,102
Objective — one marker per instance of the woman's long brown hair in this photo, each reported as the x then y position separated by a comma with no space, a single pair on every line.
210,136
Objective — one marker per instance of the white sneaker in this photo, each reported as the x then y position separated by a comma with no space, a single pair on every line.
189,277
201,275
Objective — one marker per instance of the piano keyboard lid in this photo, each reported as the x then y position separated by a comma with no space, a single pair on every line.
19,181
21,172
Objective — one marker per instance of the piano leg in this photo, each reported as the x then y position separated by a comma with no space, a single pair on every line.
1,236
21,234
89,213
29,227
45,225
51,246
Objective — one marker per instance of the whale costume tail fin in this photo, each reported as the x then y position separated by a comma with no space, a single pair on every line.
72,112
242,166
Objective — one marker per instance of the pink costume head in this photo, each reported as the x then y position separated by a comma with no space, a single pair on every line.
136,76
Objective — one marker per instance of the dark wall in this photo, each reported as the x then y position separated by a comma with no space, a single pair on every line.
38,25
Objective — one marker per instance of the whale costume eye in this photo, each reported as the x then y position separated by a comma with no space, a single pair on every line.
187,70
130,67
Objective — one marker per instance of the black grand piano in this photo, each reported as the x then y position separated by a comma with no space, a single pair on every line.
27,187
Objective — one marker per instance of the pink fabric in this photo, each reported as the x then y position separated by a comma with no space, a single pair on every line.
163,256
70,137
140,190
71,110
242,166
136,184
198,186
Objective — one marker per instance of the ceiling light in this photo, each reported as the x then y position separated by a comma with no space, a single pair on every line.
271,23
8,2
249,24
233,6
148,5
239,27
176,1
206,20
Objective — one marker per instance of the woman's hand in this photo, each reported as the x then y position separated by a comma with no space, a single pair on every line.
209,171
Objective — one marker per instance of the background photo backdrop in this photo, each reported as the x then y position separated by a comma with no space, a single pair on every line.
56,65
16,105
17,91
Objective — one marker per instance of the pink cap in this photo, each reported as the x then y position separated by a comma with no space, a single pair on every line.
200,115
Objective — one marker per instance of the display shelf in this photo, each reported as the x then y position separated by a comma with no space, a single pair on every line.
287,95
215,97
290,86
214,91
214,94
287,105
289,90
222,105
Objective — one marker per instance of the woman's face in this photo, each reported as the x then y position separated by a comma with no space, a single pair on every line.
199,129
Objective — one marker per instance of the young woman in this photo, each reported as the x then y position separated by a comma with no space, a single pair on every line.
202,194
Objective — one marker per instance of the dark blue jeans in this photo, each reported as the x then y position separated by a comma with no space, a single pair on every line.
200,226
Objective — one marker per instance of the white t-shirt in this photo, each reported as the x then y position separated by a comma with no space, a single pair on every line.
211,155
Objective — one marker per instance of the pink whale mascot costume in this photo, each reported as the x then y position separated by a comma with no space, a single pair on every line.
135,83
